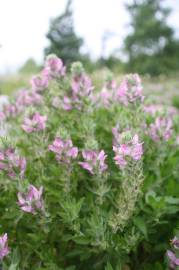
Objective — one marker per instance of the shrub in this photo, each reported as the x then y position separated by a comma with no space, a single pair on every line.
88,177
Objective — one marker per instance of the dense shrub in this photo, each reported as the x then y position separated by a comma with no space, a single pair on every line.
89,178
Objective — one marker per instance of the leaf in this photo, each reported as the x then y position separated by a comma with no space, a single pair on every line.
140,224
108,266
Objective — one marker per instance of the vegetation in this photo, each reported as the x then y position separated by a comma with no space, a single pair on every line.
89,176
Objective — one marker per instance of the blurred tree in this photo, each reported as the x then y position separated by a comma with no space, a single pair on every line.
63,40
151,46
29,67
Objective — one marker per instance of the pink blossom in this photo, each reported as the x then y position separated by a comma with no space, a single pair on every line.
175,242
4,249
153,109
125,146
65,103
94,161
27,98
2,116
39,82
54,66
35,123
81,86
64,150
10,110
174,262
32,201
161,129
12,163
130,89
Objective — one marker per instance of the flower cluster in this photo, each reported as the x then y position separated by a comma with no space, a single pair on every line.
27,98
173,260
11,163
125,146
35,123
32,201
64,150
54,67
161,129
4,249
130,89
94,161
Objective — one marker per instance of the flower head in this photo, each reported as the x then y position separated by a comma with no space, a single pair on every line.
126,146
12,163
174,262
54,66
35,123
94,161
64,150
130,89
4,249
31,202
175,242
39,82
161,129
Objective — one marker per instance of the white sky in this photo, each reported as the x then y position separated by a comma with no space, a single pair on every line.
24,23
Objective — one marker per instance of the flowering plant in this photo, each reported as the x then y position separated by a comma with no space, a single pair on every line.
88,177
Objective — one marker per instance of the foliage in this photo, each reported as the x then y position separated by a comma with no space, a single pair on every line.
89,177
151,46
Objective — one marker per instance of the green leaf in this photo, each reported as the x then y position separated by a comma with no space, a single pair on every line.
141,225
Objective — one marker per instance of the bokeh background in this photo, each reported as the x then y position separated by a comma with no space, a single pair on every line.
121,35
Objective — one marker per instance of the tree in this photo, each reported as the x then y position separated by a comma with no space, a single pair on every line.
151,38
63,40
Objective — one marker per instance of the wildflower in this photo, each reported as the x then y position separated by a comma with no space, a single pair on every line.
10,110
130,89
161,129
35,123
81,84
32,201
175,242
4,249
54,66
12,163
39,82
174,262
27,98
126,146
65,104
64,150
94,161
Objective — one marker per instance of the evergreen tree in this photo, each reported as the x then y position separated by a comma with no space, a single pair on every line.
63,40
151,46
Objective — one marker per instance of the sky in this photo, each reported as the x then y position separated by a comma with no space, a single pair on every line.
24,23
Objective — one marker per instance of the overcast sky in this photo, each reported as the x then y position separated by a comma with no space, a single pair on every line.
24,23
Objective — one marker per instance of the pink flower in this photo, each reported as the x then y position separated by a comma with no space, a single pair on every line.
81,86
172,259
94,161
130,89
32,201
12,163
10,110
126,146
4,249
54,66
34,124
175,242
39,82
64,150
161,129
27,98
